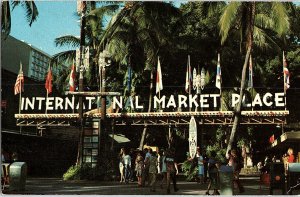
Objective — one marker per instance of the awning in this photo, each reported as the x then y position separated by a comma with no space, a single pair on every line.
120,138
287,138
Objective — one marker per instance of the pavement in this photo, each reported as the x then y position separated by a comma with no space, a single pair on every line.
56,186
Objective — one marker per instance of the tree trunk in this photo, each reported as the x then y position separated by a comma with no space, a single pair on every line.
149,110
249,37
237,114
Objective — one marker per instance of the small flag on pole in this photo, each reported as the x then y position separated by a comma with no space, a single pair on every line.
19,85
188,76
218,76
250,80
72,79
286,74
48,84
159,85
129,77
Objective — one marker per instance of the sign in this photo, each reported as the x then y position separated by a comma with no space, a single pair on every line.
171,102
193,137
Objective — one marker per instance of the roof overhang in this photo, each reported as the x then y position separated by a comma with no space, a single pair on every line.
287,138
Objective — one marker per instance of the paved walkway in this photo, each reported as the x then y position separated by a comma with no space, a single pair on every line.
49,186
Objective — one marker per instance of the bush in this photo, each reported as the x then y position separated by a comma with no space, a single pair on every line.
79,172
189,170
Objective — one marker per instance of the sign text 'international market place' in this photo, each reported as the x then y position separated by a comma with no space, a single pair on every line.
171,102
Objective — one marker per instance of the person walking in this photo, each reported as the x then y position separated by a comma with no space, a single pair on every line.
139,168
127,166
121,165
200,164
153,163
146,166
234,161
163,167
172,169
213,174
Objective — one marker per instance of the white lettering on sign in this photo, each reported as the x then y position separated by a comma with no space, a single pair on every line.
181,101
279,99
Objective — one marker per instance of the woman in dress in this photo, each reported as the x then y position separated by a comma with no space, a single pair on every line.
121,165
139,168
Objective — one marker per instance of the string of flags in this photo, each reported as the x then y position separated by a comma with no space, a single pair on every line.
190,82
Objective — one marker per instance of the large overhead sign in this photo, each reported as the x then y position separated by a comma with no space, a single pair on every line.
165,102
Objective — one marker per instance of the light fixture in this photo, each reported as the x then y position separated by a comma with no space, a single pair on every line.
278,126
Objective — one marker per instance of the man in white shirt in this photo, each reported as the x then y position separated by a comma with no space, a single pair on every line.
127,165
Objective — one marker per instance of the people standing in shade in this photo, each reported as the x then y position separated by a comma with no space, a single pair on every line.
213,174
153,163
139,168
200,164
234,161
163,167
172,169
146,166
127,166
121,165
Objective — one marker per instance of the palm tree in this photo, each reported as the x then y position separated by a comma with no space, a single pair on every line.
31,14
251,19
137,35
94,33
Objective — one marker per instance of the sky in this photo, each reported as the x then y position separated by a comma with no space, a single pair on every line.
56,18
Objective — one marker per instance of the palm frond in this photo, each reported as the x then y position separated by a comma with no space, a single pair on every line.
62,57
263,40
281,19
6,19
31,11
100,12
227,19
67,40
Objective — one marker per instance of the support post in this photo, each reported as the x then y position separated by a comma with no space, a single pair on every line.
82,43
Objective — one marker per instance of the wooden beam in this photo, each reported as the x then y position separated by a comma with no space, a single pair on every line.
93,93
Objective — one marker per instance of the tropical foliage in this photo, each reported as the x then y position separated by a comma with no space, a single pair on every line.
139,32
31,14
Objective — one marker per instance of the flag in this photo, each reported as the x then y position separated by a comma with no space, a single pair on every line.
129,77
188,76
159,85
48,84
286,74
72,79
194,79
250,80
218,75
272,139
19,85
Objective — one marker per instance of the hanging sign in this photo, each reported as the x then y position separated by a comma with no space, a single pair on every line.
193,137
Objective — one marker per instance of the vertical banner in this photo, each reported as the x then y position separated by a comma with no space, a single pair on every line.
192,137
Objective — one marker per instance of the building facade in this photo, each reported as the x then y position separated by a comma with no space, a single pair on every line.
35,62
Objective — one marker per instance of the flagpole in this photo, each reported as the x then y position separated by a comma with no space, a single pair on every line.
251,79
73,65
46,101
219,64
20,97
189,73
284,79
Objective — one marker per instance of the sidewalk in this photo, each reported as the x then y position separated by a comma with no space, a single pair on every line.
49,186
